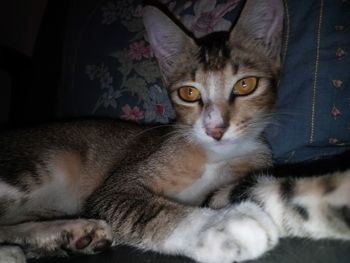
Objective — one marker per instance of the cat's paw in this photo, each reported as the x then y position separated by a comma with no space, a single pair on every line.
62,237
224,236
86,236
11,254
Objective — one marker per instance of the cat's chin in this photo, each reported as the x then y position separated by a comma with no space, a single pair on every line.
229,148
223,144
219,146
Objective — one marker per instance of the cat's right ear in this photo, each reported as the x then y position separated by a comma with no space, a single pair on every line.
260,26
166,39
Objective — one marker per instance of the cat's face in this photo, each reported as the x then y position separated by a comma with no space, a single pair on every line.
224,94
222,86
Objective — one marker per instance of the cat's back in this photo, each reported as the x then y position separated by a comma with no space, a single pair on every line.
57,166
84,150
77,135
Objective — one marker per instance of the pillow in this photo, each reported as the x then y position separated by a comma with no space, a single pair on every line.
109,66
313,107
110,70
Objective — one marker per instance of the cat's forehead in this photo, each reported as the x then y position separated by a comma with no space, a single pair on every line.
219,63
215,57
214,52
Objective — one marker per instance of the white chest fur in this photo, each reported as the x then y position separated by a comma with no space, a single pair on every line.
217,173
213,177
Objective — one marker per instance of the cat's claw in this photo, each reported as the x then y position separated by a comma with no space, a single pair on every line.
231,235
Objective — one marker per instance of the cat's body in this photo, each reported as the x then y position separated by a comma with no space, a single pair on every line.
58,181
148,183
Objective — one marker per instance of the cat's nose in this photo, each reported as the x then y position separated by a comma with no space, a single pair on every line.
216,132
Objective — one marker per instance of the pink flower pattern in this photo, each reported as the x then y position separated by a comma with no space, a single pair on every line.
339,28
335,112
333,140
138,50
337,83
340,53
208,17
138,11
132,114
160,109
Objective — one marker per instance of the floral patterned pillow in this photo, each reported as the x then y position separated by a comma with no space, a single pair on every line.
120,76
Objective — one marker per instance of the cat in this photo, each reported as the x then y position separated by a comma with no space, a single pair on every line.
81,186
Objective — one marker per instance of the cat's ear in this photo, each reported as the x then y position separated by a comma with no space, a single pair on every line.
260,24
166,39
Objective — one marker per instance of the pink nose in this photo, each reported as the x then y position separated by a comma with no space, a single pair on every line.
216,132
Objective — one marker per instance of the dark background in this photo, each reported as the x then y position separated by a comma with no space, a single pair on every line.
31,44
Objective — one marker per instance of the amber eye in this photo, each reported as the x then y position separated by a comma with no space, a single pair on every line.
245,86
189,94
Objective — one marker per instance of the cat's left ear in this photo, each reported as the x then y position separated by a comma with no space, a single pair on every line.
260,26
167,39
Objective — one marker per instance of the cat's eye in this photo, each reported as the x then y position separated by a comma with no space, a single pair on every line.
189,94
245,86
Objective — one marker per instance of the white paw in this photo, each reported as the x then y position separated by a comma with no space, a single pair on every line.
11,254
239,233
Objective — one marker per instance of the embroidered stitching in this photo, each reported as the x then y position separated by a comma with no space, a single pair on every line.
286,40
314,86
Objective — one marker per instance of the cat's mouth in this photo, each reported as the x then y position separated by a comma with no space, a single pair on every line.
229,142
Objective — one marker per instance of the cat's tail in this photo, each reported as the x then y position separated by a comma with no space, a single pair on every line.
315,207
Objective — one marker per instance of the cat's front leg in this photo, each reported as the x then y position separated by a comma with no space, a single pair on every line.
234,234
150,222
53,238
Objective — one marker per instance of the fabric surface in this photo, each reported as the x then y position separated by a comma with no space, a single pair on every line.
289,251
110,70
313,109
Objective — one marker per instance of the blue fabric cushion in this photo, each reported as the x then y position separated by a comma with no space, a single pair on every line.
313,107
